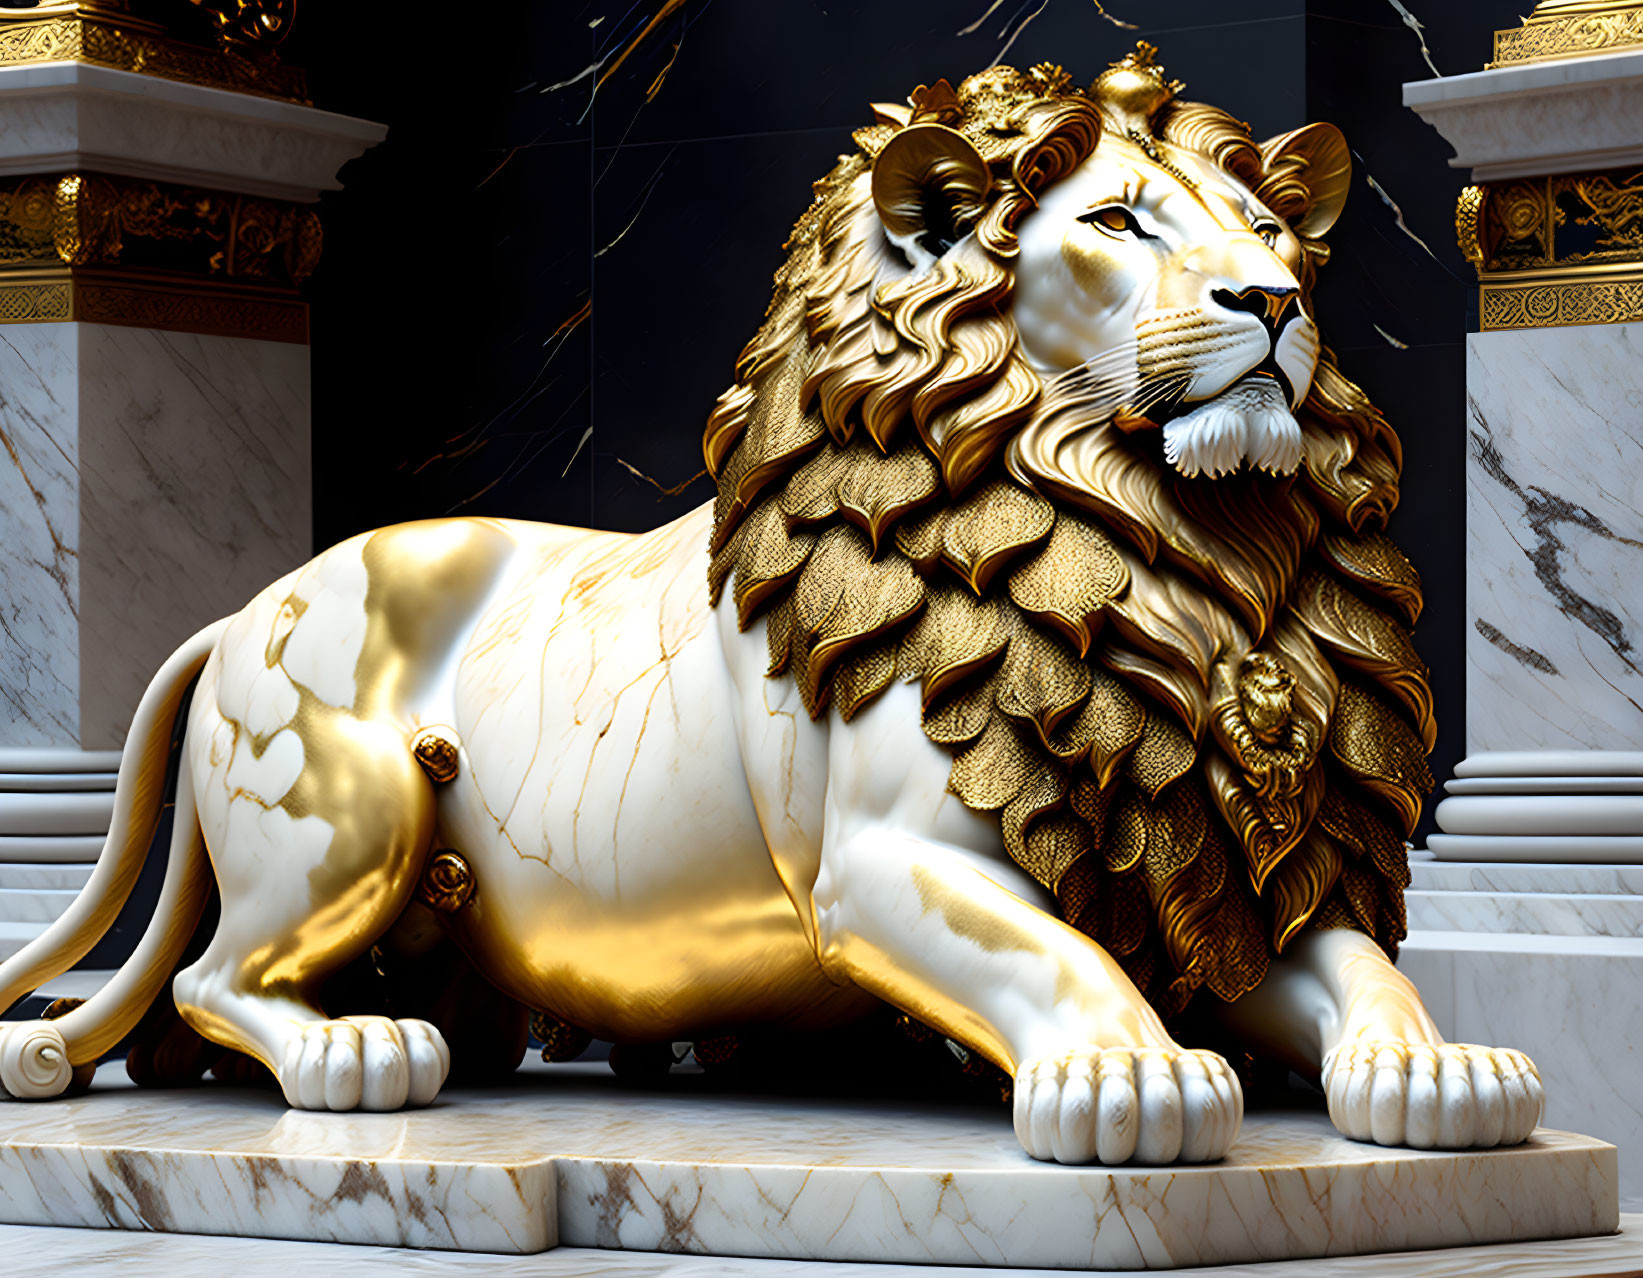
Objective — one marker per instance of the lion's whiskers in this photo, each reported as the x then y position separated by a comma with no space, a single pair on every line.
1099,386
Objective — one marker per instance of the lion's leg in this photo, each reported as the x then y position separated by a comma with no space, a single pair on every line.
917,903
1335,1006
307,884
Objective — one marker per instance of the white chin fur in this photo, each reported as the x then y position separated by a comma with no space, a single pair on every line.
1250,421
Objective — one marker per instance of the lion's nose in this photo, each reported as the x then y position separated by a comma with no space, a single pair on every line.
1271,305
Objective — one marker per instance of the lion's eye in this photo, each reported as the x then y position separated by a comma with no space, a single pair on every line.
1116,220
1269,232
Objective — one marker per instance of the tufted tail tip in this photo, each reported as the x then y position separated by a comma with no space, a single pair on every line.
34,1062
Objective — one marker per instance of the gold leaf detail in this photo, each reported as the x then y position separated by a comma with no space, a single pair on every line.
844,597
1163,756
992,771
1071,580
1091,800
955,636
1133,595
1369,640
1375,563
1367,835
778,635
437,750
1361,890
920,539
812,495
766,558
1176,827
859,679
1186,902
1041,681
447,884
1127,833
1241,953
1299,885
991,526
1053,843
1375,744
876,490
1106,727
961,715
1044,792
1169,681
1242,815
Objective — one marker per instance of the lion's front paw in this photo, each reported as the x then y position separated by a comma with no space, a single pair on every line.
363,1062
1128,1104
1449,1096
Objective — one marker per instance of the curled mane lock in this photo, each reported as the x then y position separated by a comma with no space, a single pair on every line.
1192,704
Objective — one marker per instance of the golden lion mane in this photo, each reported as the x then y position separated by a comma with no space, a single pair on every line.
1192,703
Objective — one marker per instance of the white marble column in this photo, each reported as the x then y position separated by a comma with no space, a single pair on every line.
1554,531
1554,472
1526,915
154,411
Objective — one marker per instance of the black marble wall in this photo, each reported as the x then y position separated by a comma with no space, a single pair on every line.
533,291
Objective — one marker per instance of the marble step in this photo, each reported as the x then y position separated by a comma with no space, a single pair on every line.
34,905
1573,1003
59,849
14,936
55,813
1557,815
1587,849
1512,876
49,876
1544,913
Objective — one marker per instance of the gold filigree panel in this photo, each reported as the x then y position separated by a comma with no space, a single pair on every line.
1556,303
1570,31
128,44
95,220
1571,219
64,294
1551,251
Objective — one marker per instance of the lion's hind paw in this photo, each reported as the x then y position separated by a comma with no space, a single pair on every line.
1120,1104
363,1062
1443,1096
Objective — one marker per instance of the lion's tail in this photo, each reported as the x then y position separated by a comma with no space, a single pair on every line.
38,1058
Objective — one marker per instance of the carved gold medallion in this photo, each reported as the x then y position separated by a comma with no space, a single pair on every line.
447,884
439,753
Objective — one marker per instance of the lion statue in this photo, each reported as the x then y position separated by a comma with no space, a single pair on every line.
1050,674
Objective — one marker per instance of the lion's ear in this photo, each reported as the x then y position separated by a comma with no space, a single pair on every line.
1309,174
931,186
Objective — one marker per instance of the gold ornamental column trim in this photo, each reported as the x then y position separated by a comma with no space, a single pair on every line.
1552,251
81,33
1571,29
116,250
1561,301
135,301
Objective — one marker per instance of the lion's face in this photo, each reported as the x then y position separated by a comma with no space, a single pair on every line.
1169,295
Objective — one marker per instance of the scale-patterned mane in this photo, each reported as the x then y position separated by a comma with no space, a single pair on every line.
1193,703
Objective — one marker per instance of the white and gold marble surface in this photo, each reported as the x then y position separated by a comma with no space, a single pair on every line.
569,1156
50,1253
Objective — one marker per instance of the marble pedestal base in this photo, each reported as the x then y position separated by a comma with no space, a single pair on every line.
1549,959
567,1156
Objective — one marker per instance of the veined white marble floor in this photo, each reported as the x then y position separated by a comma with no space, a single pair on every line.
51,1253
567,1154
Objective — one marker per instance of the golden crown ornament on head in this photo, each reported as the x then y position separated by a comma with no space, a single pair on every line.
1051,674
